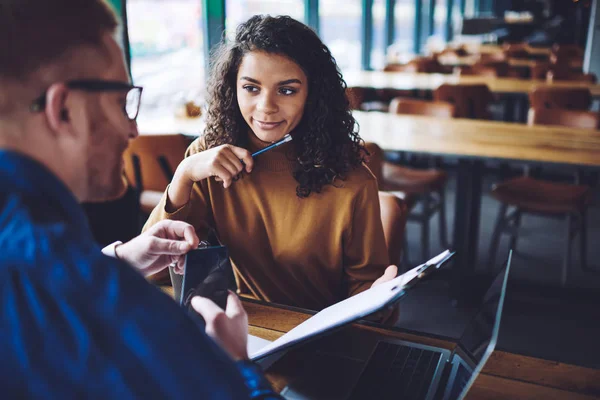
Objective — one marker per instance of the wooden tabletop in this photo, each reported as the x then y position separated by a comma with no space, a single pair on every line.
456,137
423,81
494,49
482,139
453,60
506,375
168,124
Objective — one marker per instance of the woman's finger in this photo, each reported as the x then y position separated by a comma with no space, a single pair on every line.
219,171
245,156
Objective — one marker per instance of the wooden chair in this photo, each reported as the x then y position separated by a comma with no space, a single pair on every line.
568,75
564,98
539,70
548,116
491,57
410,67
517,52
439,109
356,97
393,218
366,99
529,195
415,185
150,162
565,53
476,70
470,101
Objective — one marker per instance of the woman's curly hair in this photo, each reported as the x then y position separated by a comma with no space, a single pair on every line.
326,143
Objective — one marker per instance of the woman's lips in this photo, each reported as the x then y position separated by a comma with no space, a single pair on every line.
267,126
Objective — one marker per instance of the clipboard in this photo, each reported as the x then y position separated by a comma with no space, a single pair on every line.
353,308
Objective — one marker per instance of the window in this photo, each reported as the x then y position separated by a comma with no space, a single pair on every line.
378,50
238,11
404,26
167,52
439,20
340,30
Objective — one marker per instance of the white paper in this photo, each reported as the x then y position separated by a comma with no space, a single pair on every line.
255,343
345,311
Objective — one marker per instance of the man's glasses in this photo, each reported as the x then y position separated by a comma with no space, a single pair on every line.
132,102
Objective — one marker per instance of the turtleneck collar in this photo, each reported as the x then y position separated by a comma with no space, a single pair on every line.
279,159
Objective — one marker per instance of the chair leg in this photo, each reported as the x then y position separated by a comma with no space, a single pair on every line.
405,260
515,234
442,212
567,256
425,228
583,238
495,242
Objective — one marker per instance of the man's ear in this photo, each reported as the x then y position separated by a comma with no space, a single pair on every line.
56,103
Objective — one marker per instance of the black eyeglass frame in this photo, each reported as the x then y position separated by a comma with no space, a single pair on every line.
93,85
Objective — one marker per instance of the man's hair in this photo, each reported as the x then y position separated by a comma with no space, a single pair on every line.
34,33
44,41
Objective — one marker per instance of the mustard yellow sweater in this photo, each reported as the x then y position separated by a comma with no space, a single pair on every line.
309,252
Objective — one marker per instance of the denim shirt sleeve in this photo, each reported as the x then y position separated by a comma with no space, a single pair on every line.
258,386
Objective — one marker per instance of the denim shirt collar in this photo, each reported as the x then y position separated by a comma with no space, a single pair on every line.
24,174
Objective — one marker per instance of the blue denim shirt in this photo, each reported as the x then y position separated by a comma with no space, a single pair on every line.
77,324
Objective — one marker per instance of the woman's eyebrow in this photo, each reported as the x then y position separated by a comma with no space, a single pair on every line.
286,82
245,78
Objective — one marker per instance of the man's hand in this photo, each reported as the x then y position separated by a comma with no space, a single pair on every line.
229,328
165,243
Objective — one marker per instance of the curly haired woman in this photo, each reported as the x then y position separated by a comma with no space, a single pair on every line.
302,222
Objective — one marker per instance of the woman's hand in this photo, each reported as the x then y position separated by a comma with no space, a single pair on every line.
389,315
389,274
223,162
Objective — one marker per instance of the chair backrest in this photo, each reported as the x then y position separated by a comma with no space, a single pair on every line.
418,64
470,101
394,213
474,70
439,109
401,68
516,52
570,118
565,75
500,68
571,51
151,160
375,161
539,70
567,98
356,96
491,57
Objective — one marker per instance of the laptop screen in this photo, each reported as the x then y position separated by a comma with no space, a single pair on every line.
479,338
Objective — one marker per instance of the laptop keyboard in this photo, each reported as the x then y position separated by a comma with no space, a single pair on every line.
397,371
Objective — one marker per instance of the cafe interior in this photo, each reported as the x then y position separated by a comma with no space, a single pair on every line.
481,121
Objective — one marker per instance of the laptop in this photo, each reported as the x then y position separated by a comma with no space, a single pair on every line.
399,369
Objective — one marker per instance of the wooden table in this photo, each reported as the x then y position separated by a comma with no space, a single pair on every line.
168,124
494,49
481,139
423,81
453,60
505,376
473,142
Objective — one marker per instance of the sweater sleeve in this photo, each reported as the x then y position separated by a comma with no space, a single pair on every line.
196,212
365,251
